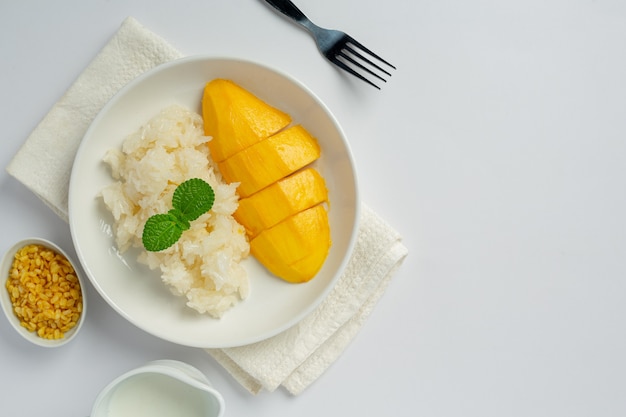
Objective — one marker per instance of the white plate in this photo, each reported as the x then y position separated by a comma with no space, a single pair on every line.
138,293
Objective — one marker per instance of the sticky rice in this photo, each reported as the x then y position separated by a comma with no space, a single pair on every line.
204,265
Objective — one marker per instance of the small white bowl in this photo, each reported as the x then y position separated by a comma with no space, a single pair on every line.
7,306
160,388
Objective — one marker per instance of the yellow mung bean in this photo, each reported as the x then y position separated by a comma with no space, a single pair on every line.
45,291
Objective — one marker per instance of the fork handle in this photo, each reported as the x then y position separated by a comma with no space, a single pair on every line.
290,10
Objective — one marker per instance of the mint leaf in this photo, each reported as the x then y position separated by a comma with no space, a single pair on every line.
160,232
183,223
193,198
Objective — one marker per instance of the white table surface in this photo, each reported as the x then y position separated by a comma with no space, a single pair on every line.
497,149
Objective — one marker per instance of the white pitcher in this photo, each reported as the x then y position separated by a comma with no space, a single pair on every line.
161,388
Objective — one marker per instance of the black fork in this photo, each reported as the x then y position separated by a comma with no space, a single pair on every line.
339,47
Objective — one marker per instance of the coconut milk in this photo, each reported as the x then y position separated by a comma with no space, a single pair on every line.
157,395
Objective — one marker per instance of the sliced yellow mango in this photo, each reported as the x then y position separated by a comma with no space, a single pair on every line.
236,118
296,248
300,271
281,199
269,160
284,198
306,268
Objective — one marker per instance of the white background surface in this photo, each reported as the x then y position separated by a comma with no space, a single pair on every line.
497,150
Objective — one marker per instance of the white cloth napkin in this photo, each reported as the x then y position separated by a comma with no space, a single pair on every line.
132,51
299,355
293,359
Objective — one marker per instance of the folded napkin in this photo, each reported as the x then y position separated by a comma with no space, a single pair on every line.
293,359
299,355
132,51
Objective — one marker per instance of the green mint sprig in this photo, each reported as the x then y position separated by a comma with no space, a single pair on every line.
191,200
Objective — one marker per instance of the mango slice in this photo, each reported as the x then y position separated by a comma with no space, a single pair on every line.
269,160
296,248
284,198
237,119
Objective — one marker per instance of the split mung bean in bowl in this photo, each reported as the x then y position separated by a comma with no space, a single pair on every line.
42,295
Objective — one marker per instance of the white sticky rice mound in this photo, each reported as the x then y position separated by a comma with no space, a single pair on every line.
204,265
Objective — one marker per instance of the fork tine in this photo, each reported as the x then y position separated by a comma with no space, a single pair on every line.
369,62
358,45
344,67
357,64
353,47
